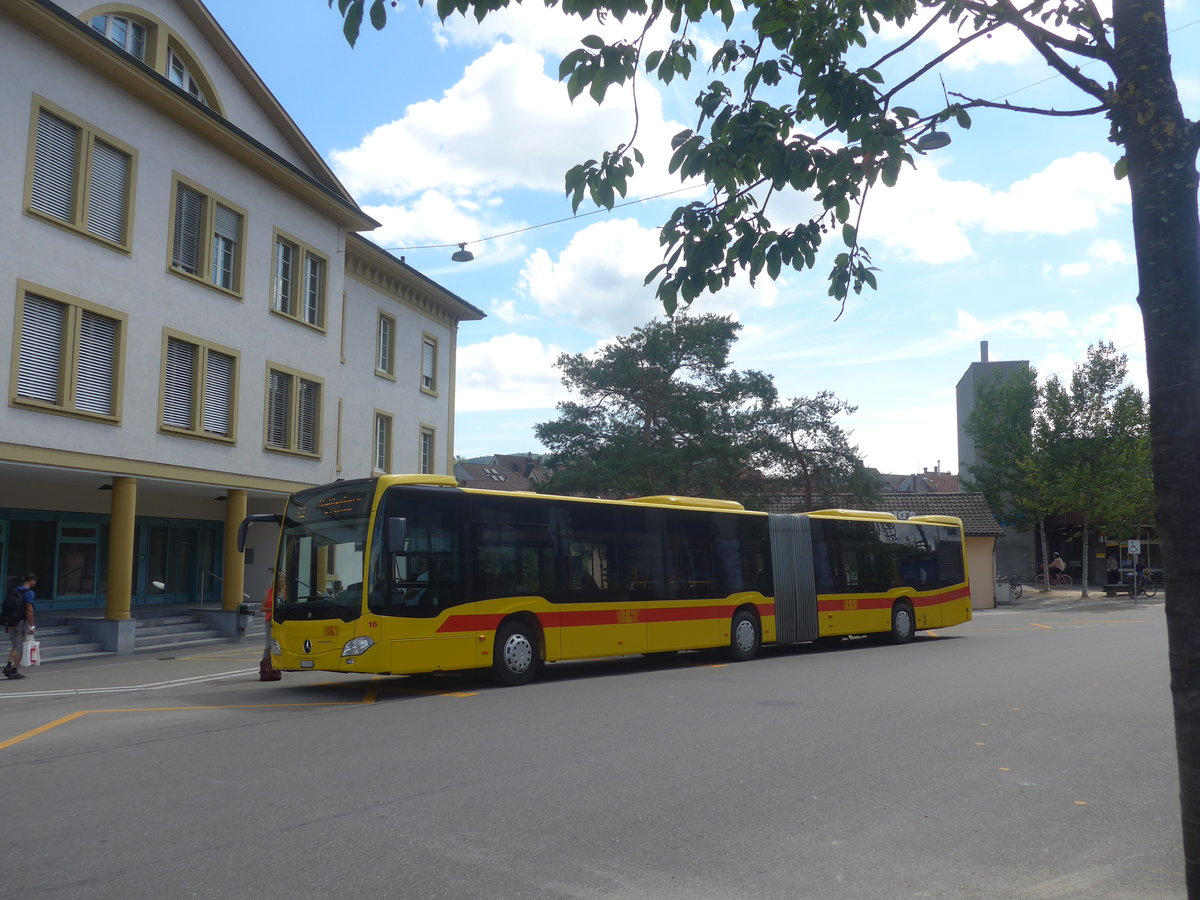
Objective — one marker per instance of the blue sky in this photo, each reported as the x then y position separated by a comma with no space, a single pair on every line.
1016,233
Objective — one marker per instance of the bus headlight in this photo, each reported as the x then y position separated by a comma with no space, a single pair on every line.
276,650
357,646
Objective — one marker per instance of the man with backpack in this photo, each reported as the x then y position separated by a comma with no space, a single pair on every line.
17,615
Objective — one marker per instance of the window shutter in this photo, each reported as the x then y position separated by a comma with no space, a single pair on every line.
108,192
309,410
218,394
179,389
189,218
95,389
55,162
427,365
278,404
39,368
227,231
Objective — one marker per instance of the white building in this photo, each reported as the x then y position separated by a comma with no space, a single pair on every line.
196,328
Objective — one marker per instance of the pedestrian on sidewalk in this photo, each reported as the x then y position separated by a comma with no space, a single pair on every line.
18,621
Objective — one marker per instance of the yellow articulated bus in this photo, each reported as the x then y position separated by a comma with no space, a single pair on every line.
410,573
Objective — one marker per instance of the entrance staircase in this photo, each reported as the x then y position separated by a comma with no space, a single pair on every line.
165,629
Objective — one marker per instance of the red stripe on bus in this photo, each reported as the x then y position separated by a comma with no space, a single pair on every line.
583,618
838,604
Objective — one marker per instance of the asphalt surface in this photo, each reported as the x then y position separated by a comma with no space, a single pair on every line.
1027,754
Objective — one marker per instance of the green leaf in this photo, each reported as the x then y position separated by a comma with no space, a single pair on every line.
378,14
1121,169
849,235
963,119
353,22
594,42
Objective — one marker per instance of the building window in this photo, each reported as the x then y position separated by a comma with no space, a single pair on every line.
383,443
181,76
206,238
385,346
429,364
293,412
298,288
126,33
199,386
426,452
68,356
79,178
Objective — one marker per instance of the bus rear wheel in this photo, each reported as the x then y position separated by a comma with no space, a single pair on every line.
515,658
744,636
904,623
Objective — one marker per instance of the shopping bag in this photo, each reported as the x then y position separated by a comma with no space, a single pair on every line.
31,653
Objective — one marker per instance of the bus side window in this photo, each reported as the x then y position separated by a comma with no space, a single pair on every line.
642,553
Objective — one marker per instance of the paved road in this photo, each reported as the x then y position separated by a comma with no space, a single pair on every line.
1028,754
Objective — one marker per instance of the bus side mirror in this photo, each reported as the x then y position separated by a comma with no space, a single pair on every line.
397,534
249,520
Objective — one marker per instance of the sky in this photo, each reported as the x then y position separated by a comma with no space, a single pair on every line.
1016,233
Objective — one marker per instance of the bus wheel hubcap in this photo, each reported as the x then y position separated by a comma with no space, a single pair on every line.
745,635
903,622
518,653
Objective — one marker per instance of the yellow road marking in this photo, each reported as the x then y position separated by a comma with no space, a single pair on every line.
22,737
369,697
1036,625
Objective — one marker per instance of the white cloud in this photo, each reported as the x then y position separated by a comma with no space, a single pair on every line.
512,371
1075,269
505,125
928,218
1110,251
596,282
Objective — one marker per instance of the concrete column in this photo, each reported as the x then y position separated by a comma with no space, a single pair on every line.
233,577
120,549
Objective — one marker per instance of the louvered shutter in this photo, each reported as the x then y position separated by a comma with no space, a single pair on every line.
39,368
189,219
179,389
228,229
309,410
96,379
55,162
427,365
218,394
278,404
108,192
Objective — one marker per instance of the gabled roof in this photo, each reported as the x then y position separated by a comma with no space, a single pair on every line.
317,185
977,518
502,473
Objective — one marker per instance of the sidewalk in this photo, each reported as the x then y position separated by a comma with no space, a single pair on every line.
1033,597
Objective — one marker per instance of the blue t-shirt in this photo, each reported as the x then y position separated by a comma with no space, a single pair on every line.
20,590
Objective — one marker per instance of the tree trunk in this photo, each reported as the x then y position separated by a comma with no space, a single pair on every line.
1041,527
1087,549
1160,147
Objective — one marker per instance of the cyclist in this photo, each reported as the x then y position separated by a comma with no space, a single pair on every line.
1058,567
1141,575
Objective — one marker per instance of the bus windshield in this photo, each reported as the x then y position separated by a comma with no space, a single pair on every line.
319,572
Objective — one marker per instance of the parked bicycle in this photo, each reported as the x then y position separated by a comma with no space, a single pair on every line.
1056,578
1012,581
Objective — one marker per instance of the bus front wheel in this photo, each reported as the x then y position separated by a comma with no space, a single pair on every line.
904,624
744,636
515,659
